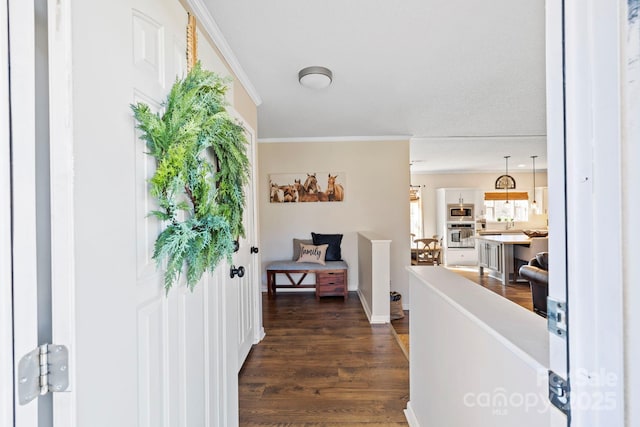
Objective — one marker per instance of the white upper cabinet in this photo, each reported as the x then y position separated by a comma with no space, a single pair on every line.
460,195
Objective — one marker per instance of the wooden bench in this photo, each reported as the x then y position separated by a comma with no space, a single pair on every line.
331,278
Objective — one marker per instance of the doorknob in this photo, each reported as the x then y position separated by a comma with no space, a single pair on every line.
236,271
254,250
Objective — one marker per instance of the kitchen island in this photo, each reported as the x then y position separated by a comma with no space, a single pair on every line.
496,253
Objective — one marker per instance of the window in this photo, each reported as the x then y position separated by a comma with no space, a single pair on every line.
500,210
415,212
497,208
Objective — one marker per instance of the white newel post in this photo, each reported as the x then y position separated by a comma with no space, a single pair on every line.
374,279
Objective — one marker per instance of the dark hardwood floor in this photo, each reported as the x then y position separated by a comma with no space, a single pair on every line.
322,364
401,326
520,293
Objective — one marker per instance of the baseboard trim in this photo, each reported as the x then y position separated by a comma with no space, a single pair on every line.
365,306
373,319
411,416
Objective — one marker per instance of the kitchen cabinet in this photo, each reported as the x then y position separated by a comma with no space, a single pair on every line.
490,255
458,195
448,196
445,196
496,254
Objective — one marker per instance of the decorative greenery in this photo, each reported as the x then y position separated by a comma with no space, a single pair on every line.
202,167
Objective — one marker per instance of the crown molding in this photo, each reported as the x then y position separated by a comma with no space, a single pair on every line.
479,137
476,172
381,138
203,15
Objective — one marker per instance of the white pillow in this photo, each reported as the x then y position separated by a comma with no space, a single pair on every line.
312,253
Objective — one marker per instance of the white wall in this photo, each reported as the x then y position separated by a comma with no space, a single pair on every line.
483,181
478,370
376,199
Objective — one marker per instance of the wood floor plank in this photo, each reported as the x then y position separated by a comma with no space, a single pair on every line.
517,292
323,364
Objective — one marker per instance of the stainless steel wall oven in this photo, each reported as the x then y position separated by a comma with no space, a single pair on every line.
461,235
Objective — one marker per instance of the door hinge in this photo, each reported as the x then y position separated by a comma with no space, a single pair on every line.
560,393
557,317
43,370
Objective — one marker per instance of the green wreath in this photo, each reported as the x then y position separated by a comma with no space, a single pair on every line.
202,167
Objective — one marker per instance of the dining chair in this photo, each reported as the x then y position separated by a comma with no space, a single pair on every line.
425,252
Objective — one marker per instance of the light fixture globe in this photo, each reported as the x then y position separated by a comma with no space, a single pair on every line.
315,77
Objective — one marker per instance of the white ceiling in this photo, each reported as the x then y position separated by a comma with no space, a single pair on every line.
464,78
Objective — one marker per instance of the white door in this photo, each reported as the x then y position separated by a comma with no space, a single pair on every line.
140,357
248,286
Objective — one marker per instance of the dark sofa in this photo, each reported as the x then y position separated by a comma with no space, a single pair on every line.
537,273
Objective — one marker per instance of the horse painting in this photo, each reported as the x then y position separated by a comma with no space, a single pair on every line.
305,188
335,192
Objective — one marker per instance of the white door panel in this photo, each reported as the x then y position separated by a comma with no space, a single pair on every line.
221,354
147,228
148,51
245,309
194,381
152,376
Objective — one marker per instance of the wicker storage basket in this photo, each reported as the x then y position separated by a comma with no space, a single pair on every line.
396,306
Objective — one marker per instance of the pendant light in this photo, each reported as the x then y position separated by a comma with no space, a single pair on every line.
506,181
506,172
534,205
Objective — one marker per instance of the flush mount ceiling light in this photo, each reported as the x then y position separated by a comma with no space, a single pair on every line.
315,77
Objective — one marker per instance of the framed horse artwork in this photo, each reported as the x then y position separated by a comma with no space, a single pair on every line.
307,187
